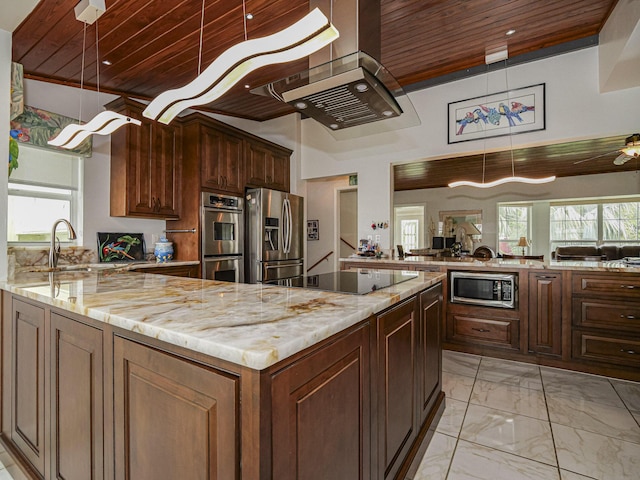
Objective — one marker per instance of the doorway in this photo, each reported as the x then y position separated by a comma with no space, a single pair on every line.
347,231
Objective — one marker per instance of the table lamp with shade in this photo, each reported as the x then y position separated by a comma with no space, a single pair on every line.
466,230
524,243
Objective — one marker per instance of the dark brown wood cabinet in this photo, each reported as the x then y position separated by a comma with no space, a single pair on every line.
397,382
267,165
605,319
144,166
320,413
221,157
491,327
189,271
173,418
77,400
429,350
83,400
28,389
545,312
56,393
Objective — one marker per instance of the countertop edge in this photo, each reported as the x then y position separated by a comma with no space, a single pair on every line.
303,318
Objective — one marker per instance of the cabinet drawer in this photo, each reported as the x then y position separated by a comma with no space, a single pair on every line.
597,313
603,348
618,285
483,330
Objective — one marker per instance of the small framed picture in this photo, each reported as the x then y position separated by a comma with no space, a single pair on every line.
312,230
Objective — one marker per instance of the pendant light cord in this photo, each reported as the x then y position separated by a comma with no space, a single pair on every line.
84,43
97,65
244,18
484,147
508,106
201,30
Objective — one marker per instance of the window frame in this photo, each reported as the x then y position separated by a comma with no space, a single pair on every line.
528,223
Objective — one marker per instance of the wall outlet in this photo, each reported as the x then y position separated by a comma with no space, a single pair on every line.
377,238
370,238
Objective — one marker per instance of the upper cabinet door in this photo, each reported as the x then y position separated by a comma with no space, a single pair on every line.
221,157
267,166
144,166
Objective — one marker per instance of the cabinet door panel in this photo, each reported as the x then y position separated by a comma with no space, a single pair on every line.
138,167
28,382
267,166
545,313
430,350
77,402
397,363
173,418
606,348
144,165
221,157
163,188
320,413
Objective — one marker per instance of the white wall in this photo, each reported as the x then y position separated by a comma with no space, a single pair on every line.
574,110
66,101
5,89
467,198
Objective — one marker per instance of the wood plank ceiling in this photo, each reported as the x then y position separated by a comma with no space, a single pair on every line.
536,162
153,46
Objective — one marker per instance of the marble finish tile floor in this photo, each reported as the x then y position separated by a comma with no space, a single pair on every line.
514,421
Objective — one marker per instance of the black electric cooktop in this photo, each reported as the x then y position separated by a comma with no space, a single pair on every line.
354,282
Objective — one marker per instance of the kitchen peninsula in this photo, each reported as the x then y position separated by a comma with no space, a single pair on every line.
130,375
579,315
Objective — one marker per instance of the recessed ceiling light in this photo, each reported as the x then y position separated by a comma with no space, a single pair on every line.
300,105
246,85
106,62
362,87
249,16
510,32
334,126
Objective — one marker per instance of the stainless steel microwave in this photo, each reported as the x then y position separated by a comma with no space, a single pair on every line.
485,289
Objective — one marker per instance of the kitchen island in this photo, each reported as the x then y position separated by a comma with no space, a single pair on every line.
578,315
129,375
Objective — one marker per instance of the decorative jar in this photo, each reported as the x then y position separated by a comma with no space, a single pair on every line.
163,251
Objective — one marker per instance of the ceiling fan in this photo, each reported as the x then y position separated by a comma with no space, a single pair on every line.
629,151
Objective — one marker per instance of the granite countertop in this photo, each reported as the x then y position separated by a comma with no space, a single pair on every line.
122,266
479,263
250,325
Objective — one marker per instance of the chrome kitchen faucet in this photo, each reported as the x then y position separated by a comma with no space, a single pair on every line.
54,250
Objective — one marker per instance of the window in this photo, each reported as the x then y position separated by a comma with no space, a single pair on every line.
605,222
573,225
621,222
43,189
514,222
409,226
409,234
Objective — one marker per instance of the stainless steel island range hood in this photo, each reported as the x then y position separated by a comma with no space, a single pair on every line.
345,85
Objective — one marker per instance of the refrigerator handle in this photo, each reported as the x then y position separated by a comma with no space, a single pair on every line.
286,226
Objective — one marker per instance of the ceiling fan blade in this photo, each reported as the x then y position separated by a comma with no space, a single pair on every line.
621,159
597,156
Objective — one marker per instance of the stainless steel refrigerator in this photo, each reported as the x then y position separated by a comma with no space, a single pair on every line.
274,235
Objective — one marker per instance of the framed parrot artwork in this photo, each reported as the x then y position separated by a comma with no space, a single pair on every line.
120,247
514,111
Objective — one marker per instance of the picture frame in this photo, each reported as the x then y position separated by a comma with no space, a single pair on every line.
313,230
509,112
120,247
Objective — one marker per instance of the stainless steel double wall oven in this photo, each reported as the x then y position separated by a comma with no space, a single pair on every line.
222,237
